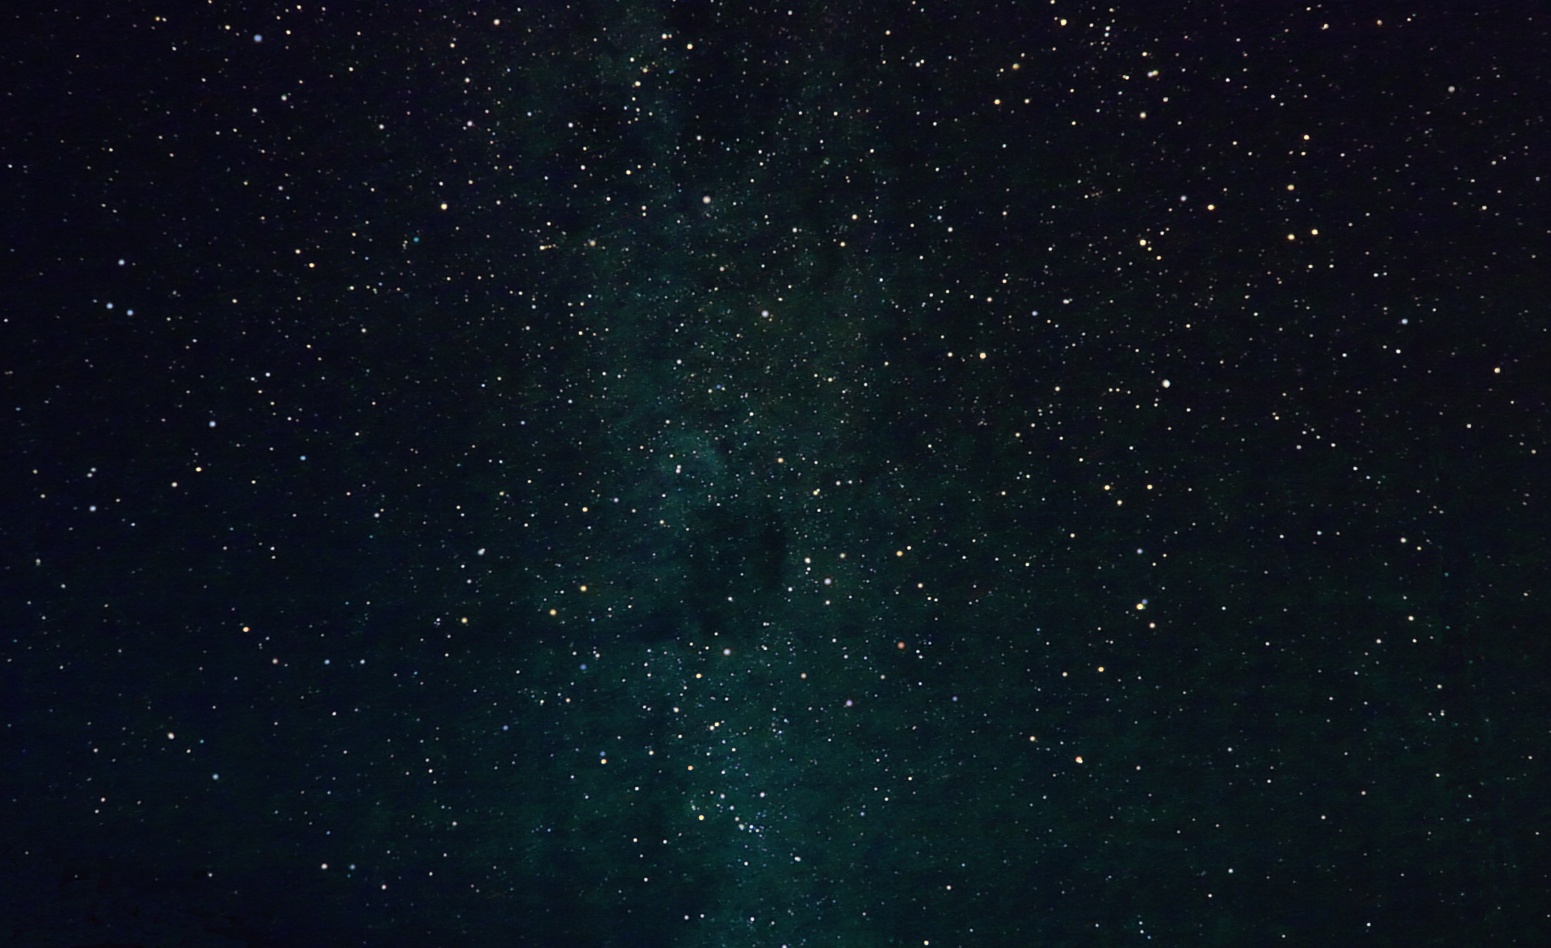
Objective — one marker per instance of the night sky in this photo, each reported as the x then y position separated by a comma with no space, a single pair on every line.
715,474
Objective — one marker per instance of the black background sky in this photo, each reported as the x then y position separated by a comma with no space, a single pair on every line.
644,473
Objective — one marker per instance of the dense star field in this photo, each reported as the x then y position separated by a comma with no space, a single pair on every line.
697,474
